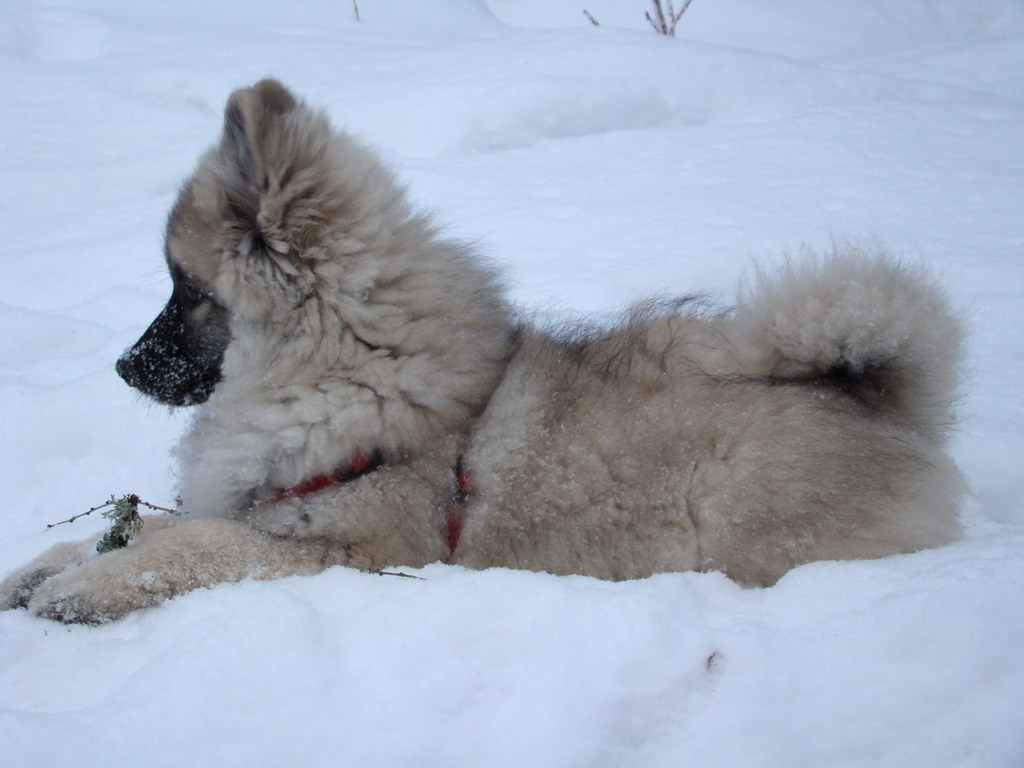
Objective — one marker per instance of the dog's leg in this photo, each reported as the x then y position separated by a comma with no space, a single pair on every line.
179,559
390,517
17,589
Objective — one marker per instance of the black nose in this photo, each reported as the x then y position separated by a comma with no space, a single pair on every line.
124,369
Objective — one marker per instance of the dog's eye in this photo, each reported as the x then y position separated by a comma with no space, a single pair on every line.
192,295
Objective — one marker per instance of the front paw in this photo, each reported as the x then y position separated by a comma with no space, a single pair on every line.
17,589
99,591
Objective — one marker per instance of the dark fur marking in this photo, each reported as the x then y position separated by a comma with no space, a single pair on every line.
177,361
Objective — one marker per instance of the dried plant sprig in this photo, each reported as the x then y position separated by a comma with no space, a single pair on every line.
126,523
111,502
666,25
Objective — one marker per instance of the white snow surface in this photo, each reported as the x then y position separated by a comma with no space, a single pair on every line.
595,165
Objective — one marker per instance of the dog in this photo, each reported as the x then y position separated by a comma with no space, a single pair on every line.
366,397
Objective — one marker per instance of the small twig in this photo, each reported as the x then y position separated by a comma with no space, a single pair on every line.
111,502
157,508
355,7
398,573
590,18
83,514
662,26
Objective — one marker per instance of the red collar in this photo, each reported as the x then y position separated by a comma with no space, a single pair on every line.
362,465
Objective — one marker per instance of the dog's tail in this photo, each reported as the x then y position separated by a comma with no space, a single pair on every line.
879,330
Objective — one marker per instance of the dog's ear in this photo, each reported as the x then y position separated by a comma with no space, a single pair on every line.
267,137
251,117
294,191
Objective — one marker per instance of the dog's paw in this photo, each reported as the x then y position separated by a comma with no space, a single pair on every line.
17,589
99,591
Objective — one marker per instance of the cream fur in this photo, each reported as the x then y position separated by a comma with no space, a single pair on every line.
809,423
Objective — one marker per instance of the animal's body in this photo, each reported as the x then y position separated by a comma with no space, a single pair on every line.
317,321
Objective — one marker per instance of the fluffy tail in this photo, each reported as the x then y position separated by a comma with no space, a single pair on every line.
882,331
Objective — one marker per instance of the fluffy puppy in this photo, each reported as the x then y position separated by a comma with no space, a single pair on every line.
365,397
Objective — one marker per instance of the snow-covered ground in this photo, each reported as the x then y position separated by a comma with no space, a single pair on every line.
595,165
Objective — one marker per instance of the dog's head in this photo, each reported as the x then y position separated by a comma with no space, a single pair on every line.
237,213
300,269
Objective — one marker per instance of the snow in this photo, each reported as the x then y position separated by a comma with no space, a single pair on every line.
595,165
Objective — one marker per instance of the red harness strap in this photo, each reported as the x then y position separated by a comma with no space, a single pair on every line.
456,516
